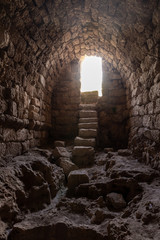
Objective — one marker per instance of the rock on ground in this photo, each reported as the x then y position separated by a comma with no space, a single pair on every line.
130,211
28,183
83,156
116,201
61,152
77,177
67,165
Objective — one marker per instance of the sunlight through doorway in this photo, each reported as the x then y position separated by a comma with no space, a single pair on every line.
91,74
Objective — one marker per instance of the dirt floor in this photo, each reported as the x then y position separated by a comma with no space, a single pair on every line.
118,198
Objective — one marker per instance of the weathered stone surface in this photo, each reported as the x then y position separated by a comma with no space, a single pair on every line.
98,217
28,183
116,200
89,97
76,178
67,165
88,120
61,152
116,228
88,125
87,133
124,152
2,149
3,226
13,148
83,156
83,211
85,142
87,106
59,144
88,114
40,66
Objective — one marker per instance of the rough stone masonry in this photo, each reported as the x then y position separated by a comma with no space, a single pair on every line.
42,43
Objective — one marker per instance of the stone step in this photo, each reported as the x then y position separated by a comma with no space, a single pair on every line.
92,125
87,133
88,120
84,142
87,114
87,106
83,156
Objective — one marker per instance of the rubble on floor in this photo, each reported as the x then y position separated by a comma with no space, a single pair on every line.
47,198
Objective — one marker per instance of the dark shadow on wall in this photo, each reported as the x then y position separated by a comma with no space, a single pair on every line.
65,102
112,110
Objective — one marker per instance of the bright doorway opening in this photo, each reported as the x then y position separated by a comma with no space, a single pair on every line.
91,74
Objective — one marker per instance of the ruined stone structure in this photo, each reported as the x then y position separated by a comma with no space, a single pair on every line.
42,43
41,46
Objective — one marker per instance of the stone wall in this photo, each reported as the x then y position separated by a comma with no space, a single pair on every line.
145,111
25,90
65,102
112,111
38,39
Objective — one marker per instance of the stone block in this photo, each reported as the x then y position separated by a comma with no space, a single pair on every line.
116,200
61,152
87,106
76,178
87,133
2,149
59,144
33,108
88,120
85,142
3,106
25,146
13,148
147,121
13,108
157,107
83,156
9,135
93,125
88,114
22,134
67,165
33,115
157,122
36,102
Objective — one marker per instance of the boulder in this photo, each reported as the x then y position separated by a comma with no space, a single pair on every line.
98,217
116,200
76,178
83,156
67,165
61,152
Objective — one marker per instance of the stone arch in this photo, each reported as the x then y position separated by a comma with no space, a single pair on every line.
40,38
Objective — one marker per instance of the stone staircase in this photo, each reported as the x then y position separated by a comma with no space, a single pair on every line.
84,143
